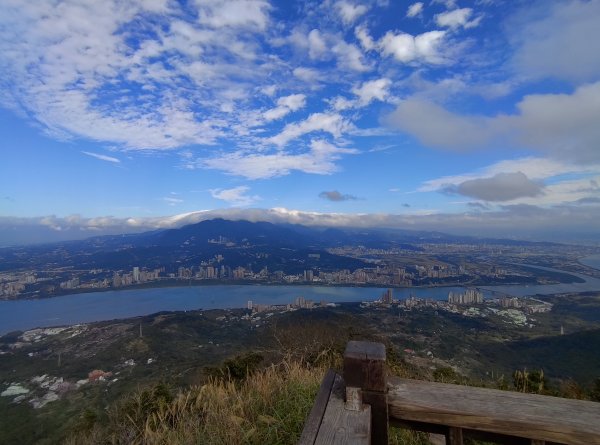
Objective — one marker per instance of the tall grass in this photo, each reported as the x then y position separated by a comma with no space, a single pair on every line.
269,407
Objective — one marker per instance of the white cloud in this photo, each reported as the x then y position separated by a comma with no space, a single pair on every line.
320,159
102,157
331,123
285,105
244,13
172,201
349,57
349,12
450,4
365,39
562,223
372,90
415,9
368,92
340,103
269,90
457,18
73,68
407,48
294,101
236,196
308,75
317,48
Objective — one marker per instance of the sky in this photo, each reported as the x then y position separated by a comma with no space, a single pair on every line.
475,117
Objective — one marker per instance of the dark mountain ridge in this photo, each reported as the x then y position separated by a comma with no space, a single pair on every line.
240,239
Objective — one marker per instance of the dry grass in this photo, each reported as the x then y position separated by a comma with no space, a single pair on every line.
269,407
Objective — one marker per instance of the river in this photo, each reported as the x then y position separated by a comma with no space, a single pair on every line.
591,261
110,305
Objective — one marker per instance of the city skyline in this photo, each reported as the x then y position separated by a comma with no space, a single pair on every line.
471,117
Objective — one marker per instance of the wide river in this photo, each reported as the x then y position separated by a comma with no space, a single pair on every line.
592,261
109,305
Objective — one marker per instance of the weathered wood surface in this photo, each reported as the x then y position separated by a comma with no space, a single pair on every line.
364,368
341,426
455,436
543,418
314,419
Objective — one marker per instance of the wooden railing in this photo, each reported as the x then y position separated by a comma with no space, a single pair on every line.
358,407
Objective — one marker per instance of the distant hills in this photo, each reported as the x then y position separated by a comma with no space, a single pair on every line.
16,231
242,242
291,235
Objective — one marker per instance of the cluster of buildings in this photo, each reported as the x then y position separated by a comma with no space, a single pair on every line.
468,303
530,305
12,284
136,276
299,303
469,296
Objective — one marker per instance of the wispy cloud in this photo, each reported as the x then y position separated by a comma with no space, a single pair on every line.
457,18
237,196
415,9
172,201
319,159
102,157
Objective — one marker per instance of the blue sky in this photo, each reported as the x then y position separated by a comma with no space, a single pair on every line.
449,115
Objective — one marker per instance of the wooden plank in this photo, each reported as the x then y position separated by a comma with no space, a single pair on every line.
545,418
313,422
442,430
341,426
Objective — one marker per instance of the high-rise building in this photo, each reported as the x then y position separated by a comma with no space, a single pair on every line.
469,296
387,297
116,280
136,274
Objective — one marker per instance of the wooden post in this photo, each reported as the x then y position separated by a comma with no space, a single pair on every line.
455,436
365,378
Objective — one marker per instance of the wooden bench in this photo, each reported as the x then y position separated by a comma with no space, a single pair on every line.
356,408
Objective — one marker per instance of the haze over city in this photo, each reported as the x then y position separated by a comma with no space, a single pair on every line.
469,117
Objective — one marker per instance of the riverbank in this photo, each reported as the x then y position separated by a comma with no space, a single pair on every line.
177,283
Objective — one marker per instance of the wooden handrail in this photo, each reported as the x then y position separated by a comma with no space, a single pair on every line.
365,395
498,413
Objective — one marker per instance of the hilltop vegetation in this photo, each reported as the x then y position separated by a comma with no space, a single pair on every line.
198,374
